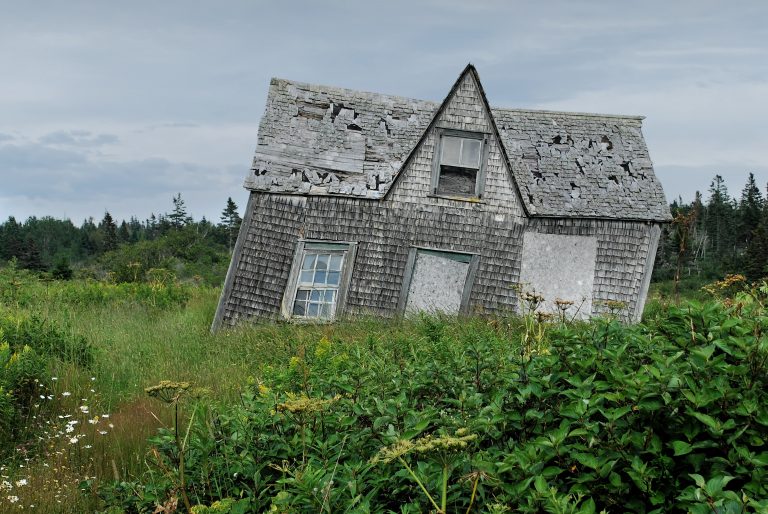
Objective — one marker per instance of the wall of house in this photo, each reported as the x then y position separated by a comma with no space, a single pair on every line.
408,216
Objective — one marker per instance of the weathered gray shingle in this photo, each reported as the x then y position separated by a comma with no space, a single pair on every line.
319,140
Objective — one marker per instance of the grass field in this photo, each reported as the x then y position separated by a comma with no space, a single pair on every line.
95,424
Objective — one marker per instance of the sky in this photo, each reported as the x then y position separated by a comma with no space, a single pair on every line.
118,106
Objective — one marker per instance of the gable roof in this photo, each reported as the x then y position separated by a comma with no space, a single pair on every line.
319,140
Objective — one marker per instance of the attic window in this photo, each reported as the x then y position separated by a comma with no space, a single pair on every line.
459,164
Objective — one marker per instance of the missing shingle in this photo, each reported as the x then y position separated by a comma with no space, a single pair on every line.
355,127
614,178
605,143
383,124
575,191
626,167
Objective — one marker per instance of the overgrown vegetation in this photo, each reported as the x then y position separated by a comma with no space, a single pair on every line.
429,414
129,252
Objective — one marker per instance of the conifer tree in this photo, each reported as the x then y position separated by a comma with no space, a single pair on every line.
109,233
179,217
750,211
230,222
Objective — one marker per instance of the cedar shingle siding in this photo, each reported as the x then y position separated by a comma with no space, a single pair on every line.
340,165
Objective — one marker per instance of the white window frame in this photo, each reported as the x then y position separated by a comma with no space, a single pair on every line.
440,135
305,247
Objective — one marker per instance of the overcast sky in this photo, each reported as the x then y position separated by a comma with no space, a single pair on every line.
119,105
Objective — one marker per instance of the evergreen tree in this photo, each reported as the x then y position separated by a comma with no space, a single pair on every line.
30,257
62,270
230,222
750,211
109,233
11,242
179,217
719,223
123,234
756,256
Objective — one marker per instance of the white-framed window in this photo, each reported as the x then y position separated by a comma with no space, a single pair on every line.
319,278
459,163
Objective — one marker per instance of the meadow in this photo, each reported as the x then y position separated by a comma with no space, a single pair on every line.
116,398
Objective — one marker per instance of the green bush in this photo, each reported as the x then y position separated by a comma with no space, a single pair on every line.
45,338
670,415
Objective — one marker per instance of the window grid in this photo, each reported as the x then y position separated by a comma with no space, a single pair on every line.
318,284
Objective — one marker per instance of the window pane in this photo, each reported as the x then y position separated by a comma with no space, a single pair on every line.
315,295
470,153
306,277
299,308
313,310
335,262
330,296
333,278
325,310
451,150
320,277
302,294
309,261
322,261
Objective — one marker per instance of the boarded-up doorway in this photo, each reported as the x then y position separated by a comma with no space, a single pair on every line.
437,281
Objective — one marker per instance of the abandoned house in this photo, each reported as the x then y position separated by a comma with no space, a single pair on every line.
369,203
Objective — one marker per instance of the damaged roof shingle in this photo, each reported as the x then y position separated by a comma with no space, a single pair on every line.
327,140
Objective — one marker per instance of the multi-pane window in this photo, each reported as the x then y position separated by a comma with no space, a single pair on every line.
319,278
318,286
459,164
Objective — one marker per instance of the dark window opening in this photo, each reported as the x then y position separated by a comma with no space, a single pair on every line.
459,166
457,181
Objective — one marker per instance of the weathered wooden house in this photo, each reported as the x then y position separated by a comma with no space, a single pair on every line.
369,203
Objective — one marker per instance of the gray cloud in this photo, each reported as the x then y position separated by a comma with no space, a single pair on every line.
124,105
78,138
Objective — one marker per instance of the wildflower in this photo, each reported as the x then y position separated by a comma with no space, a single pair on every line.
103,432
93,379
21,483
54,378
105,415
73,440
84,409
13,499
111,425
66,393
87,446
304,403
69,429
167,391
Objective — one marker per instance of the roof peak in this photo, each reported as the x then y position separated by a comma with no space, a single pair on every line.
400,98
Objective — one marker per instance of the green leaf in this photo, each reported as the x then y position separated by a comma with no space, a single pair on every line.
700,482
587,460
681,448
706,419
540,484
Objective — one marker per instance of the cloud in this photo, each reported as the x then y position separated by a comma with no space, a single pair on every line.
81,138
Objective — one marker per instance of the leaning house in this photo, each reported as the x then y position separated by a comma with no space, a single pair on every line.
369,203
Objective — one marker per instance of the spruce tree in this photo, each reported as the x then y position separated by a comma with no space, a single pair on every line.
109,233
230,222
719,223
756,256
179,217
750,211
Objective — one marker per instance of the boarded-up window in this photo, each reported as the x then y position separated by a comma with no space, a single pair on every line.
437,281
560,267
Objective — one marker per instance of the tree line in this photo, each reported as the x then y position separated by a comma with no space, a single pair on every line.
169,239
706,239
721,235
